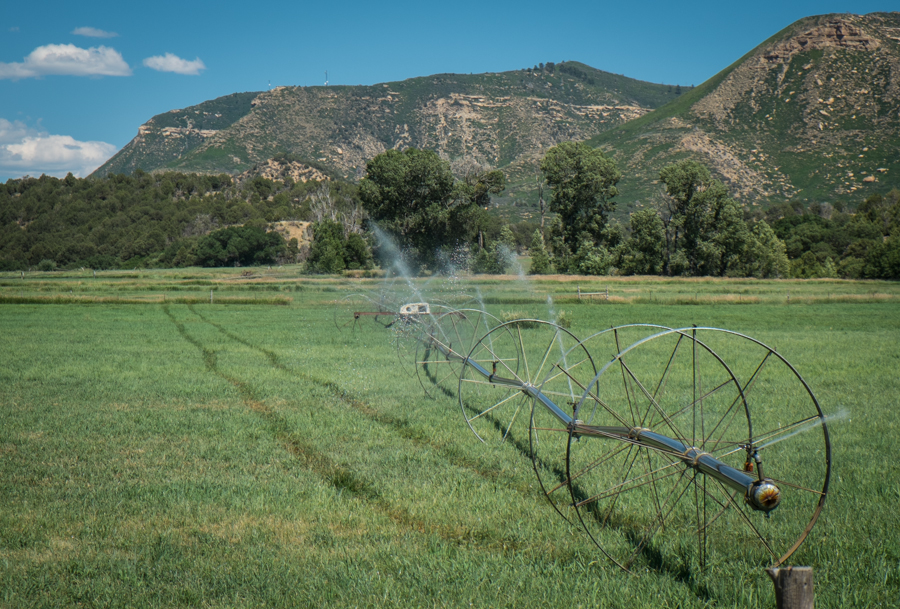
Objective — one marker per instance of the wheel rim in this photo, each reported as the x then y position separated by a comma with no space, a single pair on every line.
499,414
456,329
551,468
677,382
562,381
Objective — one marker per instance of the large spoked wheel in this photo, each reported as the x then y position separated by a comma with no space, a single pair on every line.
560,367
443,345
409,328
405,333
725,394
518,354
564,382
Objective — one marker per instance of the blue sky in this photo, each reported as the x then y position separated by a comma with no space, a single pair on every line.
77,79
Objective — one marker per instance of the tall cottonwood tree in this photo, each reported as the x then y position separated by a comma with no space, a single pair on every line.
583,183
414,196
703,225
705,232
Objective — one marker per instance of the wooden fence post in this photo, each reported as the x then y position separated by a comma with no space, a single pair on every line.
579,292
793,587
210,297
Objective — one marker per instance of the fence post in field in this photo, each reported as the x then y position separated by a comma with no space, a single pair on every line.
607,292
793,587
210,297
579,291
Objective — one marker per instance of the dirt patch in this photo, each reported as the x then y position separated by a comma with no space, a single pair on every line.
293,230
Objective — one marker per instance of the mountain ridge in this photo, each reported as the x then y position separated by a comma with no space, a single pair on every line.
809,114
504,119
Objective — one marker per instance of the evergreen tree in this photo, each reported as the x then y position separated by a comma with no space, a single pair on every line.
500,254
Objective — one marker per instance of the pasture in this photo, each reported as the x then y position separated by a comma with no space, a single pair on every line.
211,438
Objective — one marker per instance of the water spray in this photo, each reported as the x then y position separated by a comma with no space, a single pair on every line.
680,432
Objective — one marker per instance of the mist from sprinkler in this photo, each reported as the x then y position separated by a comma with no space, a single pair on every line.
843,413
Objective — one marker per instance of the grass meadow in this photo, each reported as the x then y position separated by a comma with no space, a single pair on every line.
212,439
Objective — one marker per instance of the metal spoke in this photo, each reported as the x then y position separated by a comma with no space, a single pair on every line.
741,396
747,520
598,400
660,519
691,404
669,423
500,403
522,351
513,419
624,379
621,488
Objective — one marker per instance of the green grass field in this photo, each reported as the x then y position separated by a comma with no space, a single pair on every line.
157,449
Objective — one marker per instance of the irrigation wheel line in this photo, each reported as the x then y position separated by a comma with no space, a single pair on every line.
548,436
711,392
681,447
443,344
353,309
498,408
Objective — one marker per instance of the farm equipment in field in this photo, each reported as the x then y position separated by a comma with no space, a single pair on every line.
653,439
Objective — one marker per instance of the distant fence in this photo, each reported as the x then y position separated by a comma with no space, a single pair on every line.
604,294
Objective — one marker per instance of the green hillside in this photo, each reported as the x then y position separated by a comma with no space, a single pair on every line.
505,120
810,114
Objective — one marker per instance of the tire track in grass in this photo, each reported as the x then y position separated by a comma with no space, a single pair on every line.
335,474
401,426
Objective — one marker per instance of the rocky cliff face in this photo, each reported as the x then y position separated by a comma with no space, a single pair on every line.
813,113
282,171
504,120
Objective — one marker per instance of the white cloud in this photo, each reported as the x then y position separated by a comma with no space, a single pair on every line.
93,32
25,150
67,59
174,63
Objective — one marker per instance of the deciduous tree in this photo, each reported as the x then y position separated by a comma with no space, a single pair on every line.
583,182
414,197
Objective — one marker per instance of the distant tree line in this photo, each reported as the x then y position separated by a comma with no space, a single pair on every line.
699,230
576,72
152,220
824,240
421,211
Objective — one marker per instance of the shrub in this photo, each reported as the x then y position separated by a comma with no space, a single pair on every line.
564,320
524,321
